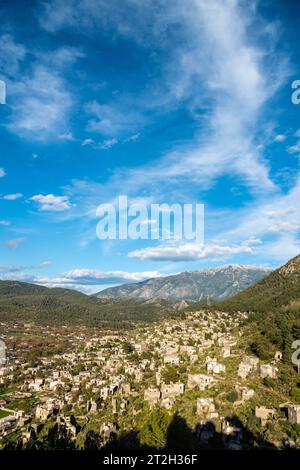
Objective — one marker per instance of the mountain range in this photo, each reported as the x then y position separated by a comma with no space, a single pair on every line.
211,284
253,289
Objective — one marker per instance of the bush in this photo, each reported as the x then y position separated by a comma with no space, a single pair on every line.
169,374
261,348
232,396
295,393
128,348
268,382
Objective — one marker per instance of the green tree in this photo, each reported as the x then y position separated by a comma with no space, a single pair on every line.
169,374
128,348
232,396
153,432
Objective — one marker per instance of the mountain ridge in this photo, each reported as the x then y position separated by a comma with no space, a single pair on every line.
206,284
22,301
279,288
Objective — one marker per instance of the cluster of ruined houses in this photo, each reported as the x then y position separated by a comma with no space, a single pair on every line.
165,395
251,365
13,418
169,343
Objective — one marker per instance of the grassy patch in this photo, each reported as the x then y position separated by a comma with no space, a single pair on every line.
3,414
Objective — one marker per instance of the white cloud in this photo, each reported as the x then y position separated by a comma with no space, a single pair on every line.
294,148
280,138
130,18
133,138
91,276
7,270
87,142
84,280
280,226
2,172
5,223
67,136
41,104
110,119
50,202
283,248
107,144
11,55
61,58
39,96
12,197
189,252
14,243
275,221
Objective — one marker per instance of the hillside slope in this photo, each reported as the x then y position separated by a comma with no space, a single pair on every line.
24,302
274,303
280,288
210,284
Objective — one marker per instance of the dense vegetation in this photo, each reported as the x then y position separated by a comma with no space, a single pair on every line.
274,306
23,302
278,289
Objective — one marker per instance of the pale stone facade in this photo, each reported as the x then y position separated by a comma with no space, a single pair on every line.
152,396
294,414
267,370
264,414
200,381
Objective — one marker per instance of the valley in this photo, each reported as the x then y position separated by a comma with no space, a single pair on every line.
216,376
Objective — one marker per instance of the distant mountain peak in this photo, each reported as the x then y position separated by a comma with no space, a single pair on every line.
240,267
215,283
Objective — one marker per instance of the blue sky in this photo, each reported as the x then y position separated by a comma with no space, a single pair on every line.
161,101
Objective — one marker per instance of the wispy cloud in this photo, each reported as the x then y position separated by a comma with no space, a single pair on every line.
275,221
7,270
232,73
111,119
12,197
50,202
133,138
14,243
41,104
40,97
66,136
11,55
109,143
84,280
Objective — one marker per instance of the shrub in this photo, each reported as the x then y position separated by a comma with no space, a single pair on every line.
268,382
232,396
295,393
170,374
